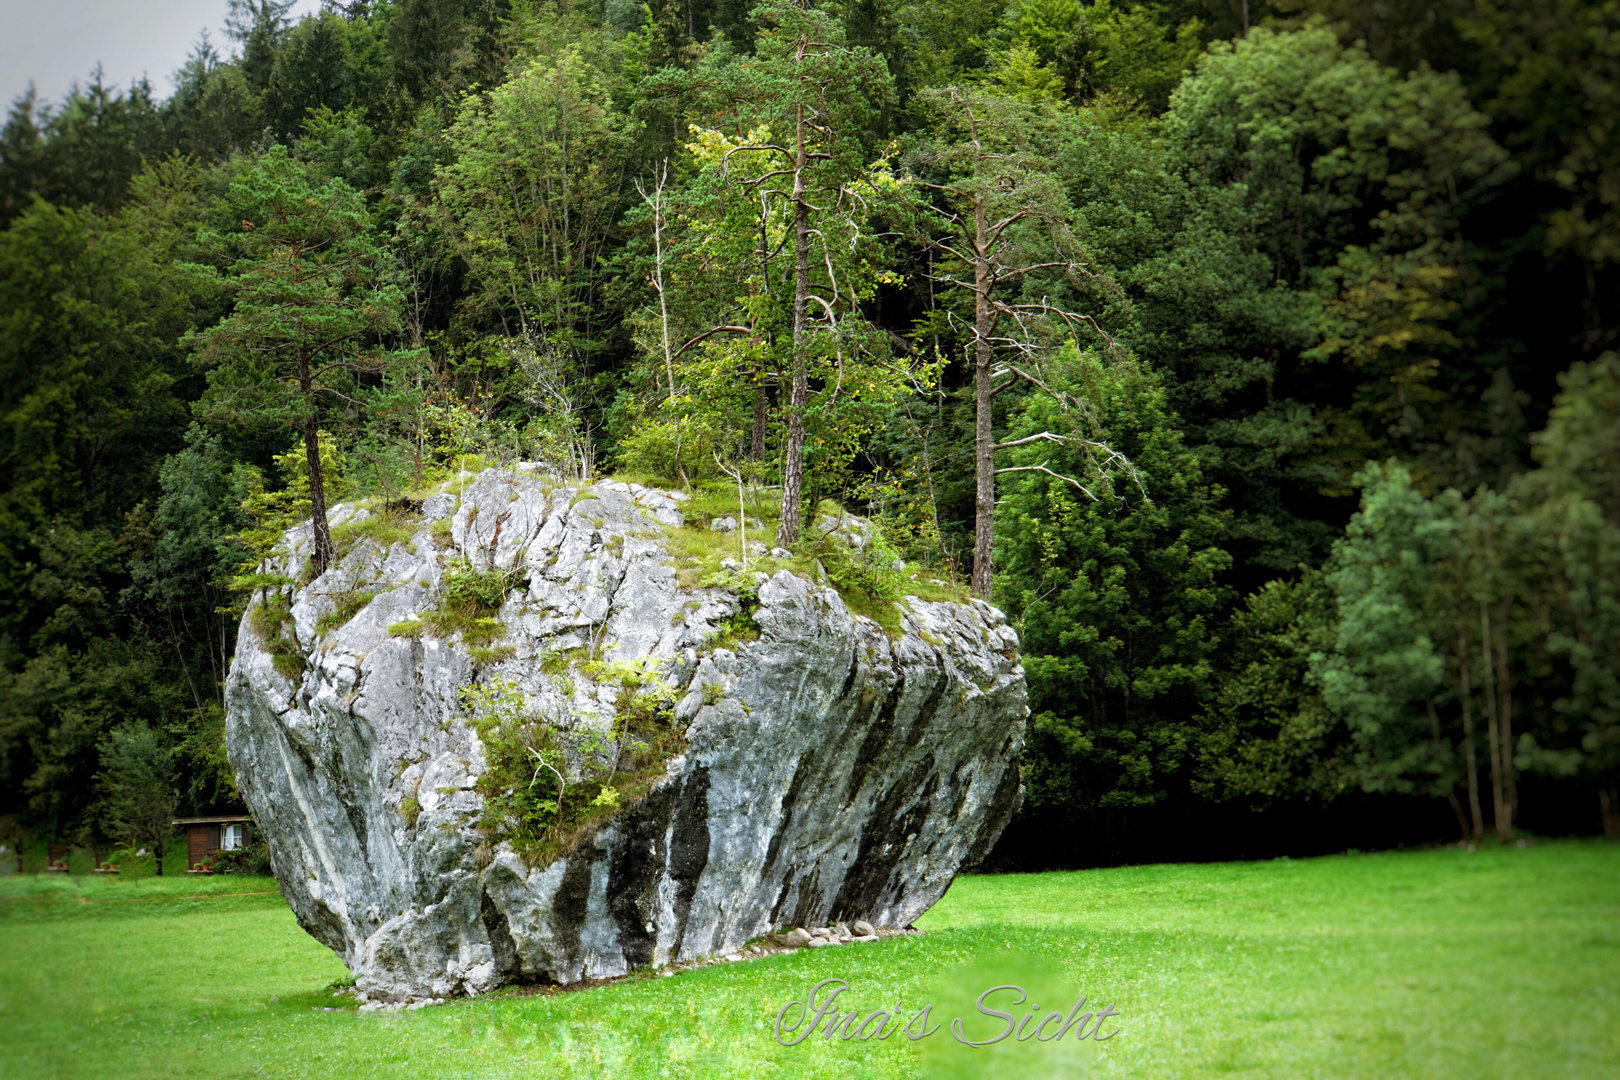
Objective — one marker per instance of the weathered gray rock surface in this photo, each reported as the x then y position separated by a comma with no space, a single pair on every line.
829,773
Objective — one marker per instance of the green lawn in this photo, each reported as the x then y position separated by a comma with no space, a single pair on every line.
1500,963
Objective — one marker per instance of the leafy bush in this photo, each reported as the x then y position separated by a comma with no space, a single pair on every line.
868,577
469,591
651,450
270,619
252,860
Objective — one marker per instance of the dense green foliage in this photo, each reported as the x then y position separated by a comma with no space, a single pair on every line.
1414,965
1252,356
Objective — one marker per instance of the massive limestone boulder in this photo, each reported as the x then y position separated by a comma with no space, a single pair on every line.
826,769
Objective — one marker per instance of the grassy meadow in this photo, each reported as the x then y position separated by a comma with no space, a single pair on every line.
1441,963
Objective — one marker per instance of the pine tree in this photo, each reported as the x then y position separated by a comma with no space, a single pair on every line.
312,310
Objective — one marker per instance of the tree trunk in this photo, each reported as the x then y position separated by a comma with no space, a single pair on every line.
1608,807
317,497
1504,711
787,530
756,436
317,482
1464,695
1456,809
984,454
1499,807
1451,789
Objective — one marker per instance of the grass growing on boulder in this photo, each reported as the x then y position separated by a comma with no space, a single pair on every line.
271,618
385,523
697,550
741,625
440,532
346,605
869,579
482,655
468,602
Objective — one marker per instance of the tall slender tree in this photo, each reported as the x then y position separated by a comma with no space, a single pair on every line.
313,310
810,95
1002,226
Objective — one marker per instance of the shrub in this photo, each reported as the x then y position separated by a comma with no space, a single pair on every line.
270,619
533,799
650,450
252,860
868,578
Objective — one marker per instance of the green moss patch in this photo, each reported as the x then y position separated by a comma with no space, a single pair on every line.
532,797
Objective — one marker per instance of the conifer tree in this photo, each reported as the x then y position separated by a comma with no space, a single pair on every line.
312,309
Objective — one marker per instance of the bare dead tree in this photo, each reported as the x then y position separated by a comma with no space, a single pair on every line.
998,207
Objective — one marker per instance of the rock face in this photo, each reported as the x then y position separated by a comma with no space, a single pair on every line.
829,771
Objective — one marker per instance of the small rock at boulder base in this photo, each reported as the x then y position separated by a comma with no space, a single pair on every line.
863,928
818,769
797,938
724,524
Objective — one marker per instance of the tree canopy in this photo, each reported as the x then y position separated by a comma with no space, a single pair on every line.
1257,359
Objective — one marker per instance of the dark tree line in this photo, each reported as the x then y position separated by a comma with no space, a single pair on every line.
1255,357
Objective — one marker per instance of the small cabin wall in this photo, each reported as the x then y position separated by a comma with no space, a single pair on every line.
201,842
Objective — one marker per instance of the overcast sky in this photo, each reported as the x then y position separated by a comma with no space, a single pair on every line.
58,42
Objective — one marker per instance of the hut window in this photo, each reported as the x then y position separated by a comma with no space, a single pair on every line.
230,837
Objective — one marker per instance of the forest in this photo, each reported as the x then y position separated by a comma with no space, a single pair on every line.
1256,357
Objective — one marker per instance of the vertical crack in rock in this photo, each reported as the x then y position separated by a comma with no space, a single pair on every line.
806,912
788,801
878,734
570,904
501,945
927,711
849,679
1002,806
825,768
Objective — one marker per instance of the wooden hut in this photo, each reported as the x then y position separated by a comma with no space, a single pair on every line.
206,835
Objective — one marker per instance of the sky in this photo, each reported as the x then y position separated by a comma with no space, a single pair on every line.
58,42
